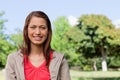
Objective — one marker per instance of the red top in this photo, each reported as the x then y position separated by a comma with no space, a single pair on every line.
36,73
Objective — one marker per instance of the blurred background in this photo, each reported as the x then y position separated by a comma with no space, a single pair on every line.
86,32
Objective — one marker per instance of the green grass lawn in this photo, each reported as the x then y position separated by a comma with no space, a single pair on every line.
87,75
95,75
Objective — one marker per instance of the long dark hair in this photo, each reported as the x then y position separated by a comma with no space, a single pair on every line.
26,47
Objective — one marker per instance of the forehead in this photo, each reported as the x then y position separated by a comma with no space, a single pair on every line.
37,19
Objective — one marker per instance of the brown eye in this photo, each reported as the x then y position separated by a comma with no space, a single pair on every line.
43,27
32,27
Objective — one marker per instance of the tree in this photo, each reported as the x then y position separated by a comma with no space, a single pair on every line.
93,39
94,36
2,21
97,28
5,46
75,36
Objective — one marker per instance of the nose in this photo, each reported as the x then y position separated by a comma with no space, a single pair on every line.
37,31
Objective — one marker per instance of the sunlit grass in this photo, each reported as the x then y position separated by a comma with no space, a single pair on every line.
95,75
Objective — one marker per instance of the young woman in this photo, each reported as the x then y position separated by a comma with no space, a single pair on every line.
36,60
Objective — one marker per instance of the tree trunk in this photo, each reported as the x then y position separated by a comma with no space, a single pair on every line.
104,62
94,65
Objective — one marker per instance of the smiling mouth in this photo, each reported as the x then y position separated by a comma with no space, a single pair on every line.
38,38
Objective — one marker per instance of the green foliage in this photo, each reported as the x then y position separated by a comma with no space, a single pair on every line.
114,62
87,68
17,39
5,49
9,46
60,42
60,27
85,43
97,27
93,20
93,37
2,27
5,46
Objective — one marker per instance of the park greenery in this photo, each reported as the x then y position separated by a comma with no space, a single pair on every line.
92,44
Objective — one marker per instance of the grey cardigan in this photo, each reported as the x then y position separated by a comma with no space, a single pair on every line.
14,69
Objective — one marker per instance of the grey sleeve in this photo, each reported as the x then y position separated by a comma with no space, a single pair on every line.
64,70
9,68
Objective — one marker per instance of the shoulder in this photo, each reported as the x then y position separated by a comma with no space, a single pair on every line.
13,58
58,54
14,55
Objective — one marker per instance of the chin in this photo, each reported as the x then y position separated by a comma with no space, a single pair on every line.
38,43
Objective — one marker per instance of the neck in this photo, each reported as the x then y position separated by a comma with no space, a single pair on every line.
36,49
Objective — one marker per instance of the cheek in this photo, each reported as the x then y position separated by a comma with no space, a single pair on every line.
30,33
46,34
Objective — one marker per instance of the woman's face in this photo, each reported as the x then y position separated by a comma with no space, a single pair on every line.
37,30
